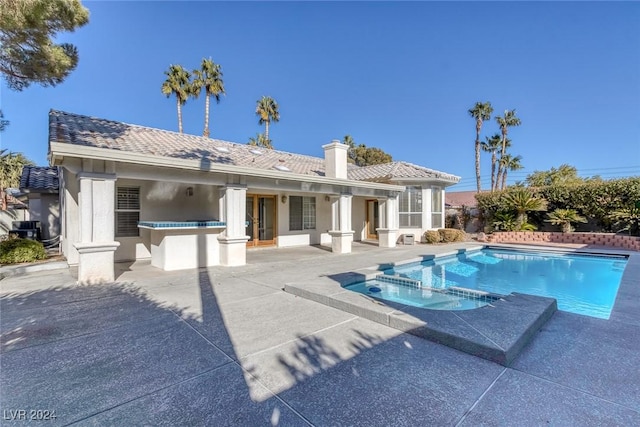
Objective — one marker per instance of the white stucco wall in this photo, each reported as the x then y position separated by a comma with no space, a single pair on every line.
70,223
45,208
317,236
165,201
359,218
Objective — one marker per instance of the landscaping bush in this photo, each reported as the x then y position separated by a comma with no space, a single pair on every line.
448,235
593,199
432,236
21,250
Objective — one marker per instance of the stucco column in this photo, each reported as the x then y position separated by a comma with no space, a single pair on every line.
97,243
342,232
233,209
388,213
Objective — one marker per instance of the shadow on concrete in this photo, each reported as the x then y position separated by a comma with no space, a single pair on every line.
114,355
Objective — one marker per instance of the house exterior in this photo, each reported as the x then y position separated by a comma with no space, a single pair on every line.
40,185
463,203
131,192
16,210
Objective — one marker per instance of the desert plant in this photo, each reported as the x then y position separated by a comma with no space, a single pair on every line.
448,235
564,218
431,236
627,219
504,221
21,250
523,200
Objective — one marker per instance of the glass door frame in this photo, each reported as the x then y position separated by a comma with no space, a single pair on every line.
254,219
368,221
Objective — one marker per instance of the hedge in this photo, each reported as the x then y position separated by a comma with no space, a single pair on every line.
593,199
21,250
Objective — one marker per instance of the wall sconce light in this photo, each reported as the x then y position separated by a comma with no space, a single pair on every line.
189,191
327,198
284,198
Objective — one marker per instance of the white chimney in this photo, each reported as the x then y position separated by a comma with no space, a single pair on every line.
335,159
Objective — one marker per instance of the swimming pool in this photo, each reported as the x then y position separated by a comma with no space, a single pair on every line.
581,283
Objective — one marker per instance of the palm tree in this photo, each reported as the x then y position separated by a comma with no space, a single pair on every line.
260,141
522,200
209,78
480,112
564,218
267,110
178,83
505,122
11,165
509,163
492,145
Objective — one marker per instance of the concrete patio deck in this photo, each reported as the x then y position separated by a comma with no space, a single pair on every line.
226,346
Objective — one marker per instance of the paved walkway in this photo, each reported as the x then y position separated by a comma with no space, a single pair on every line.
226,346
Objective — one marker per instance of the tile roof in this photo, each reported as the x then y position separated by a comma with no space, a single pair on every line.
456,199
39,178
95,132
398,171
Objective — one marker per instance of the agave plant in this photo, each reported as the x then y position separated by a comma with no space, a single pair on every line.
564,218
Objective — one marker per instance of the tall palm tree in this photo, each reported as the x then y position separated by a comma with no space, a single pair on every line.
178,83
480,112
509,163
505,122
209,78
492,145
260,141
267,110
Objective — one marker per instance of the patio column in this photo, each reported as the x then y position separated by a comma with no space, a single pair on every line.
97,221
233,211
342,232
388,213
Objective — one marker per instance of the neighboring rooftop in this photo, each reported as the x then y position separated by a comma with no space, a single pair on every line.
458,199
39,179
100,133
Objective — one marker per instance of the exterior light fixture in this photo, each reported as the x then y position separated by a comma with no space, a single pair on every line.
284,198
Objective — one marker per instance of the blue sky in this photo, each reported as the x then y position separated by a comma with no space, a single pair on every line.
398,76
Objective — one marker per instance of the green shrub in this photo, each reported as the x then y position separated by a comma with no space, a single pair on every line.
594,199
21,250
432,236
448,235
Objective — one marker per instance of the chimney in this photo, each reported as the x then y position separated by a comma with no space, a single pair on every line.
335,159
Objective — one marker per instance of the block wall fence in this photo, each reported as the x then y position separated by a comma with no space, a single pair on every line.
596,239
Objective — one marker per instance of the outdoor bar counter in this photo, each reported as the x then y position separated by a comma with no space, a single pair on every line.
177,245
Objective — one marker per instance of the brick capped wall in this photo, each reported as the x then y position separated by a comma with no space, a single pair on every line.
596,239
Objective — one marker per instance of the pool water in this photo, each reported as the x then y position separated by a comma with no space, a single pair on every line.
417,297
581,283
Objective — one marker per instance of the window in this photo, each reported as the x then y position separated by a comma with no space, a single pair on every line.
411,208
436,207
302,213
127,211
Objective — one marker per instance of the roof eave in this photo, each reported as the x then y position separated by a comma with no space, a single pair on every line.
444,181
60,150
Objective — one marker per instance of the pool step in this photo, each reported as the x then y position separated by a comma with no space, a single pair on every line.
452,290
399,280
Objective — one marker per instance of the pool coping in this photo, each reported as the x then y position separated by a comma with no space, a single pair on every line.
497,332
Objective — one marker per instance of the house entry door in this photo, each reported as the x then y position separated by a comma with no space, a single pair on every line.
261,220
373,219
